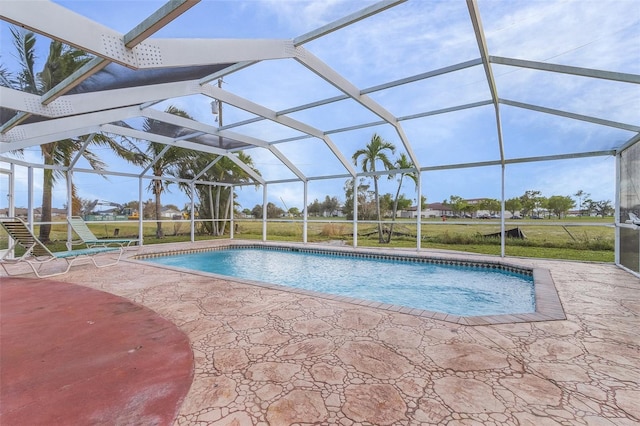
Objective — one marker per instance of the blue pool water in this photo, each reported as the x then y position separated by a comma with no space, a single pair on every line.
454,290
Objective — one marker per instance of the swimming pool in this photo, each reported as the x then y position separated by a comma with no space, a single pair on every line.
456,288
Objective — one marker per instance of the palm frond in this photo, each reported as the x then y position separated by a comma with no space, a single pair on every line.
6,79
24,42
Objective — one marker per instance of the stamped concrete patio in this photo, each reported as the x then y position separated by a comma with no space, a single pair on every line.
267,356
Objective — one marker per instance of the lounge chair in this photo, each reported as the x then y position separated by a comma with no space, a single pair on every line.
635,220
88,238
37,254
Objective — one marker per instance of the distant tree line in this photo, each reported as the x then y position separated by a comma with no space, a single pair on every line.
533,204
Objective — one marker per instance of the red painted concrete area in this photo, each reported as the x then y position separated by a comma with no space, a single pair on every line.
73,355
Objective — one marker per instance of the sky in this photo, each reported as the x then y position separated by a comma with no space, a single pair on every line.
411,38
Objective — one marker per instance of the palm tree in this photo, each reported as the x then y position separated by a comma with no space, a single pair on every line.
227,170
167,163
372,153
402,162
61,62
215,206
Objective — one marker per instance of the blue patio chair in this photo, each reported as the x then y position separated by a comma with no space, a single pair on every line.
88,238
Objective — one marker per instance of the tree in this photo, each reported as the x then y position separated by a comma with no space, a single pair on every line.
386,204
531,201
294,211
366,210
315,208
374,152
456,203
81,206
402,163
62,61
559,205
273,211
330,205
600,208
163,161
470,209
257,211
492,205
214,203
513,205
581,196
148,209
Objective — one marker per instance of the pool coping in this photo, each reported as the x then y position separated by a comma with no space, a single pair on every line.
547,301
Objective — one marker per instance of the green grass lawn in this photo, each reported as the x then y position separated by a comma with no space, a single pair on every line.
591,242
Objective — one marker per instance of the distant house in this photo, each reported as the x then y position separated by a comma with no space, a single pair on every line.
169,213
22,212
335,213
58,212
37,213
435,210
432,210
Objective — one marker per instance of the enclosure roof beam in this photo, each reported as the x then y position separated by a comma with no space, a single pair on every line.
346,21
382,122
446,110
96,101
161,17
194,52
603,153
226,71
387,172
424,75
257,109
315,65
263,144
340,176
152,137
77,30
206,182
356,127
207,168
123,131
29,164
81,151
92,37
14,121
246,105
124,174
474,14
580,117
152,24
205,128
65,124
155,159
192,124
280,156
246,168
566,69
389,85
158,19
37,140
77,77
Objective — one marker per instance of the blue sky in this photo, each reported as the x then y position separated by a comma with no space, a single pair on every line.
411,38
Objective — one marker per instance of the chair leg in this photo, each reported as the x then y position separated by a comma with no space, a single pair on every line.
93,259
